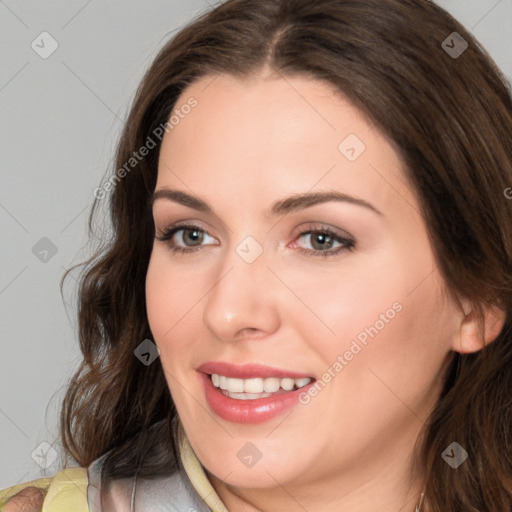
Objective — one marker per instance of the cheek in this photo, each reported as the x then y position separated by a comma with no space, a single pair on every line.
392,332
357,301
157,296
167,298
175,296
392,361
172,294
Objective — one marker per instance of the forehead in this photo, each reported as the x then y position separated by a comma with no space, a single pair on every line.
266,114
268,134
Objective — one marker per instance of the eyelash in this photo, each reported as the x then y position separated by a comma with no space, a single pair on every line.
349,244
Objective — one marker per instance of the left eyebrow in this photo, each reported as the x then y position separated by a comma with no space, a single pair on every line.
302,201
296,202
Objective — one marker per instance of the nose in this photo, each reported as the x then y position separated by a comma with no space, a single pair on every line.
244,299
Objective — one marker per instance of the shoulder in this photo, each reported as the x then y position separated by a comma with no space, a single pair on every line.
65,491
26,492
29,499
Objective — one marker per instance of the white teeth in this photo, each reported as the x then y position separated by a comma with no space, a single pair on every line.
287,384
250,389
252,385
300,383
247,396
235,385
271,385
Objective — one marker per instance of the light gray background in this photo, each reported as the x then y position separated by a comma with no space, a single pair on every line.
60,120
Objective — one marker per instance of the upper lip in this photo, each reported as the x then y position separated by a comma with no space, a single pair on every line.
248,371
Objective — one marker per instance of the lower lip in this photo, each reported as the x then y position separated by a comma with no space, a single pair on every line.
249,411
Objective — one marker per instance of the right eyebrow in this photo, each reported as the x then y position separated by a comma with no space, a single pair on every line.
182,198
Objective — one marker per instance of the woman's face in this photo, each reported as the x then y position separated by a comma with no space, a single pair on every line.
266,299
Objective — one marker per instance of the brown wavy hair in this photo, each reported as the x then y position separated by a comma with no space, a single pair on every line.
450,120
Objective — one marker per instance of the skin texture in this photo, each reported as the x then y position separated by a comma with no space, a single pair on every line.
245,145
29,499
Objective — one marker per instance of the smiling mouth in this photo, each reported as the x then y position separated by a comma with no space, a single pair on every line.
254,388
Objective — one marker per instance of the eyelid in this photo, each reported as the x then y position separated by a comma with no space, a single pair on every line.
167,226
170,230
299,232
348,241
320,226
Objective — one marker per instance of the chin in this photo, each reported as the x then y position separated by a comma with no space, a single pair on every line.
260,476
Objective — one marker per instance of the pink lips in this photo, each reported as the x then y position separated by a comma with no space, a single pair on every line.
248,411
248,371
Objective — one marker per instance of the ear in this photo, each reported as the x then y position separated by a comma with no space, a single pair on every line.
477,330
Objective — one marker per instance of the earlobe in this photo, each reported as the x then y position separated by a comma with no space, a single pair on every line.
476,331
